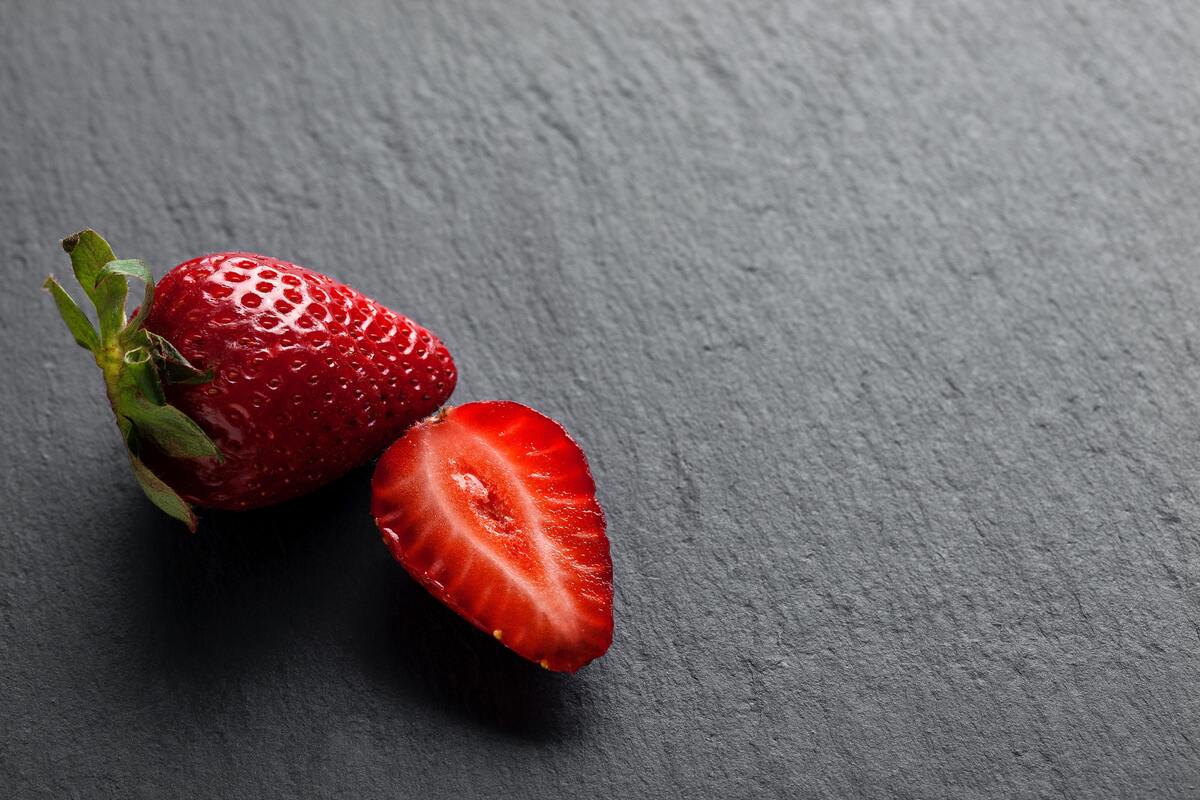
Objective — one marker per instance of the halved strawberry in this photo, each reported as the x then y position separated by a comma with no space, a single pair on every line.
492,508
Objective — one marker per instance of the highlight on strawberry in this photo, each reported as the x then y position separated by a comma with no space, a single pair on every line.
242,381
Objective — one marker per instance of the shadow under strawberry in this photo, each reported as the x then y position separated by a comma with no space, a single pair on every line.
308,590
250,588
423,651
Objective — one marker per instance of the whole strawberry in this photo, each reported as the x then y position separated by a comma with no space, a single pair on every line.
243,381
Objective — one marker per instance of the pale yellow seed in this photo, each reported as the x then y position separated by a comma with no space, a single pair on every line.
545,664
497,633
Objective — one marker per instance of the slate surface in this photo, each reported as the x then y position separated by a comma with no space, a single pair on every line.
878,321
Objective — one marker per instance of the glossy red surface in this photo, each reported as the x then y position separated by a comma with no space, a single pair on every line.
311,377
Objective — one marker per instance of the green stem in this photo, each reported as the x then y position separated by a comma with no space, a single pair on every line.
134,363
110,358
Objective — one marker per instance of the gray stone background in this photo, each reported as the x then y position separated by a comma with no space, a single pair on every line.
877,320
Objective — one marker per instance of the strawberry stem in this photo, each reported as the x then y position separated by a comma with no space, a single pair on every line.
134,363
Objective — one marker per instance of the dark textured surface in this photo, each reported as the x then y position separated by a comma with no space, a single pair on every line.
878,321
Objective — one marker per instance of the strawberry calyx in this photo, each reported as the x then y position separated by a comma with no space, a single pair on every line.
135,363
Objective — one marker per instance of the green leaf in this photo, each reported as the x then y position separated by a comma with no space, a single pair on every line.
162,495
77,322
89,253
132,268
173,366
169,428
140,375
133,362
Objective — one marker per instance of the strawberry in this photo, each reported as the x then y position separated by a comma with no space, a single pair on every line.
241,380
492,508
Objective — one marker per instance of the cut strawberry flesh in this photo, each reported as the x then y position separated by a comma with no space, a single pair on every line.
492,508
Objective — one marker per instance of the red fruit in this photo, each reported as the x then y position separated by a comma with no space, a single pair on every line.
297,377
492,508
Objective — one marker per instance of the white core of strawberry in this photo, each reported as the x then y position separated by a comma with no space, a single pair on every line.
441,476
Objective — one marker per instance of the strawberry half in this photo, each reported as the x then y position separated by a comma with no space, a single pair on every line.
492,508
242,380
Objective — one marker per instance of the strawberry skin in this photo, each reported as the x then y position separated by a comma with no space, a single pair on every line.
492,508
310,378
243,381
